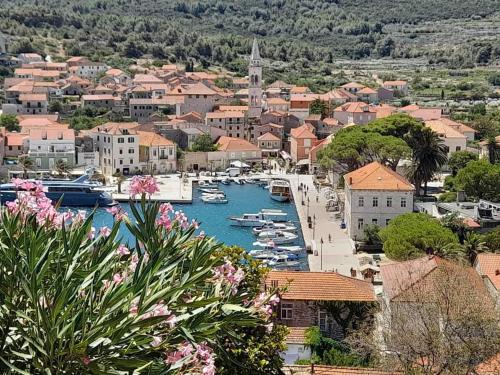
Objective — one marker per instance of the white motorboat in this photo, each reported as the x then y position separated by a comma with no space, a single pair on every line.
280,190
208,184
271,246
225,181
262,253
285,227
249,220
283,261
278,237
273,214
211,190
214,199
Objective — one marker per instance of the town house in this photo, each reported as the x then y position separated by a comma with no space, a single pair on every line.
301,141
197,98
237,149
47,145
357,113
375,194
233,122
156,153
452,138
33,103
304,304
397,86
269,144
487,266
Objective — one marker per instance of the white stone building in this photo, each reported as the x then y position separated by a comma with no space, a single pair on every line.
157,154
375,194
47,145
255,83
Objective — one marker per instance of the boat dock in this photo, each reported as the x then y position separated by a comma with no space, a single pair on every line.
172,190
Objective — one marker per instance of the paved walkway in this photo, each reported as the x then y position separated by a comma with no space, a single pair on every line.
336,255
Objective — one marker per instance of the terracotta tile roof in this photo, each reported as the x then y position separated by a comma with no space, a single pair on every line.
395,83
102,88
355,107
79,80
489,266
276,101
375,176
410,108
268,137
225,114
15,139
444,130
320,286
384,110
490,366
296,335
353,85
192,89
47,73
367,90
52,133
76,59
426,114
169,67
235,144
28,116
117,128
23,87
299,90
152,139
330,121
302,132
191,116
25,71
114,72
146,78
334,370
280,84
41,121
33,97
304,97
461,128
98,97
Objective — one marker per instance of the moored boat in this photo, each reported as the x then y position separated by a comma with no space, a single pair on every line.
211,190
280,190
285,227
274,215
208,184
283,261
271,246
278,237
214,199
249,220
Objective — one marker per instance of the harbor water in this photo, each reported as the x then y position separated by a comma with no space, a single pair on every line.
213,218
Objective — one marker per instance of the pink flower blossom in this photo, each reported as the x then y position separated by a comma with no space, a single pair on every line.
133,310
91,233
17,182
105,231
143,185
164,221
117,212
156,341
201,235
117,278
186,349
122,250
86,360
174,357
195,224
171,321
106,284
166,208
274,300
209,369
269,327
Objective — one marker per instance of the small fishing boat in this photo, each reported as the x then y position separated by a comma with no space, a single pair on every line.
274,215
278,237
283,261
280,190
285,227
214,199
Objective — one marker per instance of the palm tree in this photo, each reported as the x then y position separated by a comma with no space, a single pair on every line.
119,180
62,167
474,245
26,164
429,154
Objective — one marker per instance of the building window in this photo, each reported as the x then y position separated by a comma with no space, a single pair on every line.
121,140
130,150
375,202
387,222
121,161
120,152
403,202
389,201
458,148
38,162
324,323
361,201
130,139
361,223
131,161
286,311
374,221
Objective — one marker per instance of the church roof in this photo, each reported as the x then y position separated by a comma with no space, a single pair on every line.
255,51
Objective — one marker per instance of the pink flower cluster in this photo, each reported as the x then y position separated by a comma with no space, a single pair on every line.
31,200
202,355
179,218
264,304
227,273
117,213
143,185
158,309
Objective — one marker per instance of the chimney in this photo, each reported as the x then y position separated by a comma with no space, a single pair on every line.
350,180
497,272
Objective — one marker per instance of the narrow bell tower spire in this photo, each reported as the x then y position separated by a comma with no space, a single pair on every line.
255,82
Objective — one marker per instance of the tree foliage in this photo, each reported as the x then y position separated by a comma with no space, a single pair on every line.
480,180
203,143
9,122
413,234
460,159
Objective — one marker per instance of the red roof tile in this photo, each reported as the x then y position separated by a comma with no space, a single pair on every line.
375,176
489,266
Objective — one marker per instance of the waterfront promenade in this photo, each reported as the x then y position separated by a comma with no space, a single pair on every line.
337,255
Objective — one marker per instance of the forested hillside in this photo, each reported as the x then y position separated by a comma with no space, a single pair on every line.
220,31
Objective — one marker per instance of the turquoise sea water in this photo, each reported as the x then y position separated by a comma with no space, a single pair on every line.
213,218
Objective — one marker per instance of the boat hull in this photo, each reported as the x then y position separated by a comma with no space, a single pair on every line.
280,198
69,199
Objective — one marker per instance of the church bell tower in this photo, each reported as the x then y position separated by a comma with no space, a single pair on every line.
255,83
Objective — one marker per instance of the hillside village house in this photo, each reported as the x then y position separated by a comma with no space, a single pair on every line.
375,194
233,122
28,58
302,305
197,98
118,147
33,103
487,266
100,101
269,144
301,103
258,130
368,95
141,110
463,129
452,139
156,153
277,104
236,149
14,144
287,120
47,145
301,141
353,87
90,70
397,86
357,113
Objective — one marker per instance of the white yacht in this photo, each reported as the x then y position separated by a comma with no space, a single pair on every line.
283,261
249,220
214,199
271,225
278,237
207,185
280,190
273,214
271,246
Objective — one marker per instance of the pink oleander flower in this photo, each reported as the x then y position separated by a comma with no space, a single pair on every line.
164,221
166,208
201,235
274,300
117,278
209,369
17,182
133,306
105,231
106,284
86,360
156,341
91,234
160,309
143,185
195,224
171,321
122,250
186,349
173,357
203,351
117,213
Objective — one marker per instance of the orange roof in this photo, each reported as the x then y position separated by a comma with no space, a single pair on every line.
146,78
76,59
384,110
461,128
330,121
238,108
52,133
426,114
367,90
490,366
235,144
225,114
117,128
489,266
23,87
152,139
375,176
190,116
296,335
410,108
33,97
276,101
268,137
41,121
304,97
395,83
302,132
192,89
15,139
299,90
114,72
355,107
443,130
320,286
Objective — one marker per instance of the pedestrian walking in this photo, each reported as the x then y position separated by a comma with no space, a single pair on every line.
317,198
329,238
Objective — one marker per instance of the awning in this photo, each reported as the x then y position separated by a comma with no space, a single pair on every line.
239,164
